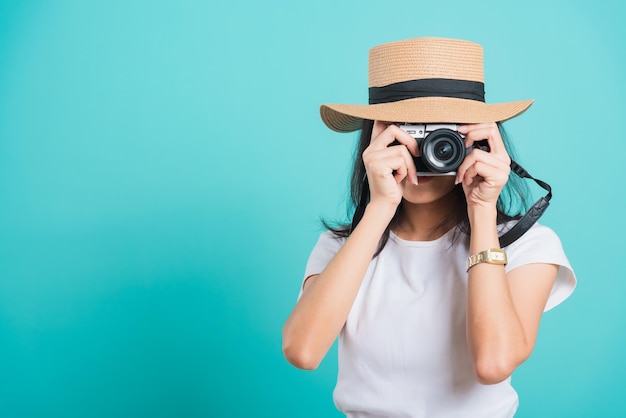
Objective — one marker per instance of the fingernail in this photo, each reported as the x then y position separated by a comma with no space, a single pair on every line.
462,128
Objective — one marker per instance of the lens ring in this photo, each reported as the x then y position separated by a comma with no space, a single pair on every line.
443,150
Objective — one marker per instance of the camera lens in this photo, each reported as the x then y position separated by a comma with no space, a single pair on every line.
443,150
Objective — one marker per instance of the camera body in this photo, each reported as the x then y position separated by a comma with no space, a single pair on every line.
442,147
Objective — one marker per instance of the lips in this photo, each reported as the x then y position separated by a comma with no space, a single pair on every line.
423,179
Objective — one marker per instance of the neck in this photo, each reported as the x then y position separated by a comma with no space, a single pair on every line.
426,221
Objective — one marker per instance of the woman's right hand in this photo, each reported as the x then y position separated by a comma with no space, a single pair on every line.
388,166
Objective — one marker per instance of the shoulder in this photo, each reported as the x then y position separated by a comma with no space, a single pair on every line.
329,240
540,244
328,244
539,231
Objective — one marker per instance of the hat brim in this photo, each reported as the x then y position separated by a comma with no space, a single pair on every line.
348,117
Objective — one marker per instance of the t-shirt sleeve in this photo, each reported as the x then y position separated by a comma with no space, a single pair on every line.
327,246
542,245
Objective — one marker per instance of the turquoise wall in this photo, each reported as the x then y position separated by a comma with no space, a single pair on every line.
163,169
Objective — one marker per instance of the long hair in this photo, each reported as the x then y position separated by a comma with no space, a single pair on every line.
511,204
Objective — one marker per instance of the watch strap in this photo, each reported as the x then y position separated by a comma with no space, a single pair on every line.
490,256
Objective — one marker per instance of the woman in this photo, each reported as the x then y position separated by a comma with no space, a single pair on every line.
432,315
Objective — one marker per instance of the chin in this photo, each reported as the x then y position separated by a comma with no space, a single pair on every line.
428,192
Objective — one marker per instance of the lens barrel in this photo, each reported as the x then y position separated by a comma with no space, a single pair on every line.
443,150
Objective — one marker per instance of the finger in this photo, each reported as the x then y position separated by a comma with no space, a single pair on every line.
400,173
395,152
470,174
486,159
492,176
404,138
482,131
469,161
383,136
410,165
378,128
388,166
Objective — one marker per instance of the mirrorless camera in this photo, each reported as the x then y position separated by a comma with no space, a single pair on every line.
442,147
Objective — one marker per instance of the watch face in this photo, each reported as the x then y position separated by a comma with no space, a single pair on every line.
496,257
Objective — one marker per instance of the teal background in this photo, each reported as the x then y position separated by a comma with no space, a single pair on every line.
163,169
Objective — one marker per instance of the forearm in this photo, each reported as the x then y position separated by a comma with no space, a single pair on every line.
495,333
326,301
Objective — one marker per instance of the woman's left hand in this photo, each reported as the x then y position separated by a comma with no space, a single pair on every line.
483,173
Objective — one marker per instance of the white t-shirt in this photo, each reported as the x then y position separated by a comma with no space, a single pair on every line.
403,350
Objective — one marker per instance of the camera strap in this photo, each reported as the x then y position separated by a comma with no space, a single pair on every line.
523,224
532,215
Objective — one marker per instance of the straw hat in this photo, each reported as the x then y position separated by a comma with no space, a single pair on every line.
423,80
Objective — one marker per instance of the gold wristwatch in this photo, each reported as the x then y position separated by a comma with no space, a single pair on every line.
491,256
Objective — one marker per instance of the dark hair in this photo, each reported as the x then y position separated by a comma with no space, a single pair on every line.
511,204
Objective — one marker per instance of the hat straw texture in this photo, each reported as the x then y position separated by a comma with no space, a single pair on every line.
417,60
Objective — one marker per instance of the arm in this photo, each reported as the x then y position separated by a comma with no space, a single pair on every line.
327,298
503,310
